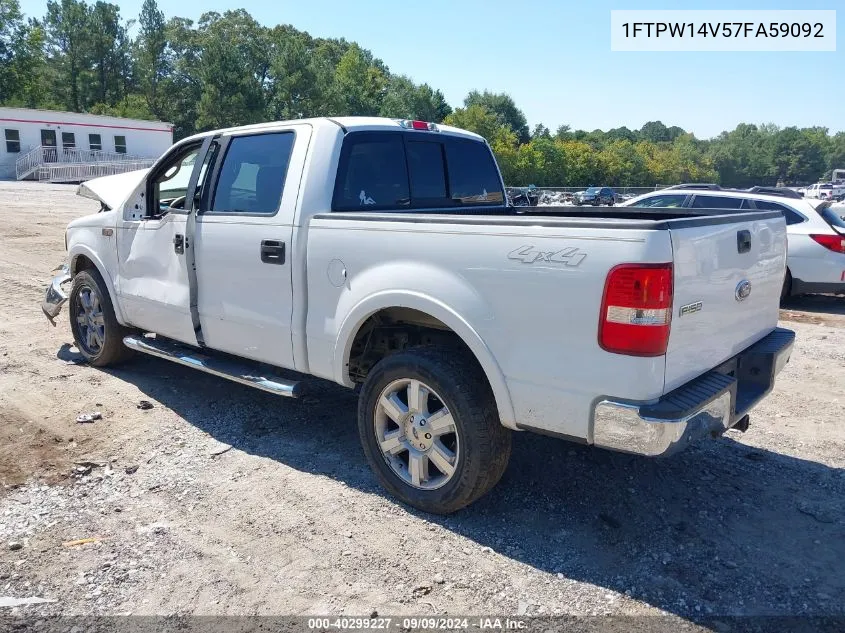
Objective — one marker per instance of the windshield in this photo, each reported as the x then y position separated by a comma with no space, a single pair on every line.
593,189
834,216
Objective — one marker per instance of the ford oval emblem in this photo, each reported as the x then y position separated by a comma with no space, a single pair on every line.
743,289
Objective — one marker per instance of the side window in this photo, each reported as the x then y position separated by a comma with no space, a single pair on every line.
668,201
372,174
427,172
170,183
792,217
473,178
120,144
13,141
95,143
252,175
68,140
716,202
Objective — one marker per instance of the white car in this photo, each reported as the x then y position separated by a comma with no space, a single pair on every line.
383,253
815,229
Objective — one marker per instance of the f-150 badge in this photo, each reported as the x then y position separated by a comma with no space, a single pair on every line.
529,255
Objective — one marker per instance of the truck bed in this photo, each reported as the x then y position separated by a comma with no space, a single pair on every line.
558,216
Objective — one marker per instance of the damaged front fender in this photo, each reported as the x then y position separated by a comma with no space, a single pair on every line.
56,296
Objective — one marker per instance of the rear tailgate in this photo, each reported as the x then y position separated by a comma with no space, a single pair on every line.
728,274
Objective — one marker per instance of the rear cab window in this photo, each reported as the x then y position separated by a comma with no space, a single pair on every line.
384,171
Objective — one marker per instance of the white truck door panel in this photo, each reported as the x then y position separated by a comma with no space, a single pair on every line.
152,279
243,243
244,304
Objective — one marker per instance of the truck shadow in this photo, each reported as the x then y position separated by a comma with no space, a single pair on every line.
721,529
821,304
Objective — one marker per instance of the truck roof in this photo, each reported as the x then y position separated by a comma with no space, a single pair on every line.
349,123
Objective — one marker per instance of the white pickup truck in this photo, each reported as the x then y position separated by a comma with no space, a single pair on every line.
382,253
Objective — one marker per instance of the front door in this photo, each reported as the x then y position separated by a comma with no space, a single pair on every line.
152,283
244,226
48,145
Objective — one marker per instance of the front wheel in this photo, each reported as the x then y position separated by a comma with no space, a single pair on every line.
430,430
96,332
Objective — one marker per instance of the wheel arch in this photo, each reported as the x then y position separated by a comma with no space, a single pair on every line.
430,307
82,258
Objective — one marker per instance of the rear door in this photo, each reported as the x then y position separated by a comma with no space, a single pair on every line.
728,274
243,238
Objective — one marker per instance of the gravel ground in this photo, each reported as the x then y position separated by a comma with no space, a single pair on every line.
224,500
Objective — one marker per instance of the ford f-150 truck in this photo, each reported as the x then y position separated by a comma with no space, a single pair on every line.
383,254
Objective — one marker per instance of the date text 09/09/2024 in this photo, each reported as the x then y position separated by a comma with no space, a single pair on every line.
416,624
724,29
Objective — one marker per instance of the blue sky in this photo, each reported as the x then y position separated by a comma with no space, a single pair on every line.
554,58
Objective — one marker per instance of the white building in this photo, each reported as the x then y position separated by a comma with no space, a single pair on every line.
68,146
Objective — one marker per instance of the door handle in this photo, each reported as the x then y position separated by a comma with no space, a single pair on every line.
179,244
743,241
272,251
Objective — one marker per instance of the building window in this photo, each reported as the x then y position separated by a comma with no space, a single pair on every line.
68,140
120,144
95,143
13,141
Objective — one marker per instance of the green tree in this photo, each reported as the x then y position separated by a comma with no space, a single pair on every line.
151,55
21,57
233,67
504,107
68,46
361,82
404,99
107,39
480,120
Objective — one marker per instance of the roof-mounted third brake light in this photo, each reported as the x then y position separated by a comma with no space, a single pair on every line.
424,126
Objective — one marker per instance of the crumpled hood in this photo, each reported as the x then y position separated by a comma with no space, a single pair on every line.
112,191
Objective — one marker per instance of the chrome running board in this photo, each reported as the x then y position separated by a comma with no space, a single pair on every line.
241,372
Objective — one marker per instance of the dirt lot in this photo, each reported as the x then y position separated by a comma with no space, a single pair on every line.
224,500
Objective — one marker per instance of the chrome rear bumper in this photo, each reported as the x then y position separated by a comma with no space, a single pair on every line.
55,296
707,405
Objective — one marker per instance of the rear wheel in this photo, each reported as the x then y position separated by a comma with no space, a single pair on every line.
429,428
96,332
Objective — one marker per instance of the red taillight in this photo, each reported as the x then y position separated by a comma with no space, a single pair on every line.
636,310
834,243
425,126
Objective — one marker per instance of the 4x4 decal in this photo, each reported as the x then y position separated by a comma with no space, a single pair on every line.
529,255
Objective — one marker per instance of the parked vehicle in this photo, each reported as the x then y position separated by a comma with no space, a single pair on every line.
523,196
825,191
596,196
382,253
816,260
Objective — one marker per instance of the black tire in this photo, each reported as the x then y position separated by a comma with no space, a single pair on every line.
485,445
112,350
786,289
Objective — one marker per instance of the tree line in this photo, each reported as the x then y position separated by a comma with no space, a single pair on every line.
227,69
